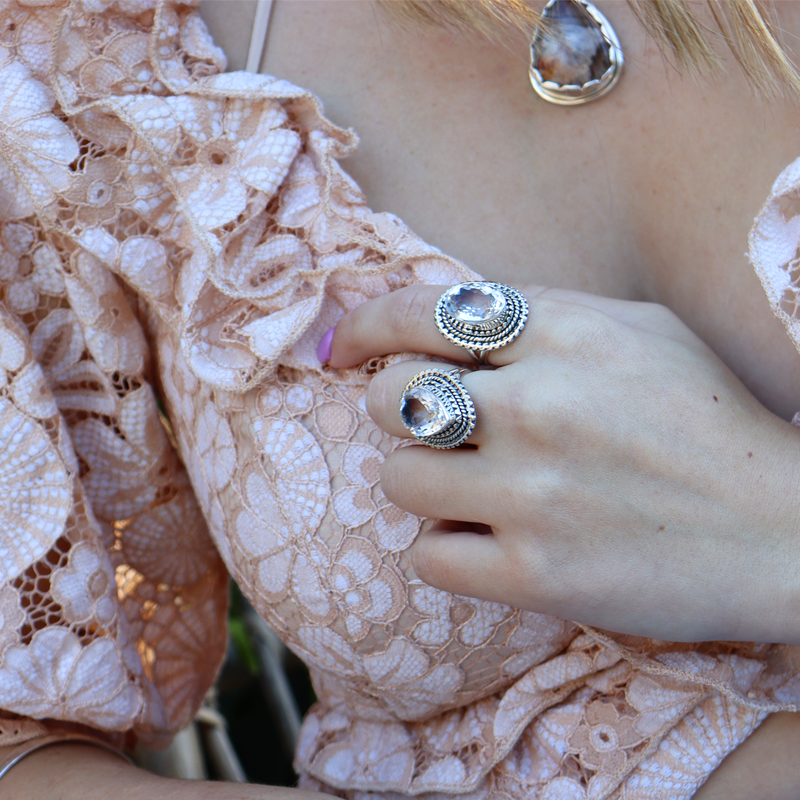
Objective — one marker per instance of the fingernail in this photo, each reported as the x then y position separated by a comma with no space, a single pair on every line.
324,346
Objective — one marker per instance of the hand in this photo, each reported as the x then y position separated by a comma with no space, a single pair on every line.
628,479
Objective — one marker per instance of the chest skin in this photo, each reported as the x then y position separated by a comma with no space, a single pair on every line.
647,194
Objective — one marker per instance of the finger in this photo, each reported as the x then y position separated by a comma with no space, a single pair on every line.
444,484
567,324
651,317
460,562
567,321
385,393
403,321
399,322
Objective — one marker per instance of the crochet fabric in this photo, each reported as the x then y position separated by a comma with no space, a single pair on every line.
173,243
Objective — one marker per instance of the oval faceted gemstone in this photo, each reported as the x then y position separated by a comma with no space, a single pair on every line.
423,413
569,48
475,304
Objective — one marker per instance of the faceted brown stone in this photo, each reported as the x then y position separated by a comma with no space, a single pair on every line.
569,47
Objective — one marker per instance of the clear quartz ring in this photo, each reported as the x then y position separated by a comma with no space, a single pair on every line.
481,316
436,407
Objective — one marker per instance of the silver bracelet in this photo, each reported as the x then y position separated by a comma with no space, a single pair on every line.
31,746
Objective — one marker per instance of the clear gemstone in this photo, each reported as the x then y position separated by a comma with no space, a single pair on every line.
569,48
423,413
476,305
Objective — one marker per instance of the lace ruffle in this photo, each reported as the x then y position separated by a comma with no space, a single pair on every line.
774,242
113,597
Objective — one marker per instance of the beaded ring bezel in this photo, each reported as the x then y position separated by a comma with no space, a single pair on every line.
448,389
481,338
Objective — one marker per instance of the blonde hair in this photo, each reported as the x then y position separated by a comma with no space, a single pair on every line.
744,25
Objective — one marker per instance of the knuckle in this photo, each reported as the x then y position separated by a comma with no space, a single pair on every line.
516,412
518,403
529,567
661,311
409,312
565,418
537,490
594,338
555,413
663,316
579,332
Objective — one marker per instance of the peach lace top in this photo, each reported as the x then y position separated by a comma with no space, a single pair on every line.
173,243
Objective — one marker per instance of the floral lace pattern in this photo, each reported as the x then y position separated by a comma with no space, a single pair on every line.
775,249
113,596
161,220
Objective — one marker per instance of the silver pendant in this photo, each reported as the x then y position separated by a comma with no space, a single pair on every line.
575,54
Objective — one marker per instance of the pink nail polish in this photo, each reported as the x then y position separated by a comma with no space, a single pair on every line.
324,346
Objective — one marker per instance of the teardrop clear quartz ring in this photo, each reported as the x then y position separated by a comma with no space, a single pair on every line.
436,407
481,316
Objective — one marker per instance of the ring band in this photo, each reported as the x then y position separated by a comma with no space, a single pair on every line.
481,316
436,407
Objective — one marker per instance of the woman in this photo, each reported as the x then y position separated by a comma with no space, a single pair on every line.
421,691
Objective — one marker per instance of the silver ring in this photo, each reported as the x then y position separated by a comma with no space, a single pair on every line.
481,316
436,407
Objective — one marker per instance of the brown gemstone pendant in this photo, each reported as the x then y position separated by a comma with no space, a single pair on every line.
575,53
